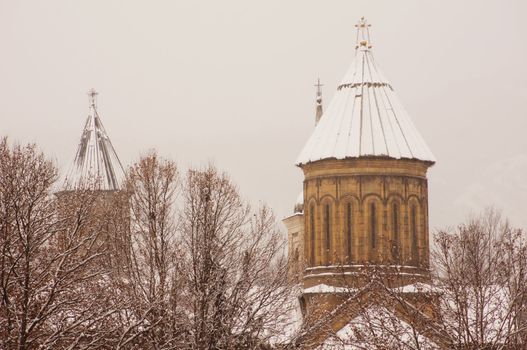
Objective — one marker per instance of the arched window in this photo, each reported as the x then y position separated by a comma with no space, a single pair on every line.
297,255
413,229
327,232
349,230
395,230
312,234
373,224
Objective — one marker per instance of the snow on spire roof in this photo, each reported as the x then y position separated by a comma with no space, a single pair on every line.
96,159
365,117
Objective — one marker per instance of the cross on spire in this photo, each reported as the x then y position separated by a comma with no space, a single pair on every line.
363,34
92,95
318,113
318,85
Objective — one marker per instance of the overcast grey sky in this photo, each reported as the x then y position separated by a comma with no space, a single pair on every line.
232,82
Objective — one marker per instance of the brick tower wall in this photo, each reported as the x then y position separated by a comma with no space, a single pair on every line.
365,211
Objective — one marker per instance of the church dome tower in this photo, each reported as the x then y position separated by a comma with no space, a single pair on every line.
365,196
97,173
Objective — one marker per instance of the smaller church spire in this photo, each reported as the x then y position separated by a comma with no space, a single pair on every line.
318,113
363,34
95,159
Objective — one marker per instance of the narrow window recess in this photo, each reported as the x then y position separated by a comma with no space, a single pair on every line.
373,224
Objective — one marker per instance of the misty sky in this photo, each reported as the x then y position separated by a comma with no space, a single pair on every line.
232,82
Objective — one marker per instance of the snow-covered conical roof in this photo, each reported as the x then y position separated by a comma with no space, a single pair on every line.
96,162
365,117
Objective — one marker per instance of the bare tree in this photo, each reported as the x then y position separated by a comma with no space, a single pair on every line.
482,270
152,319
233,264
378,326
217,279
49,282
387,310
475,300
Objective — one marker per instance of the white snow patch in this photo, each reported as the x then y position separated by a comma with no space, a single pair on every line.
374,328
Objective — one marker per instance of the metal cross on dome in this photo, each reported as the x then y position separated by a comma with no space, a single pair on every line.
363,34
